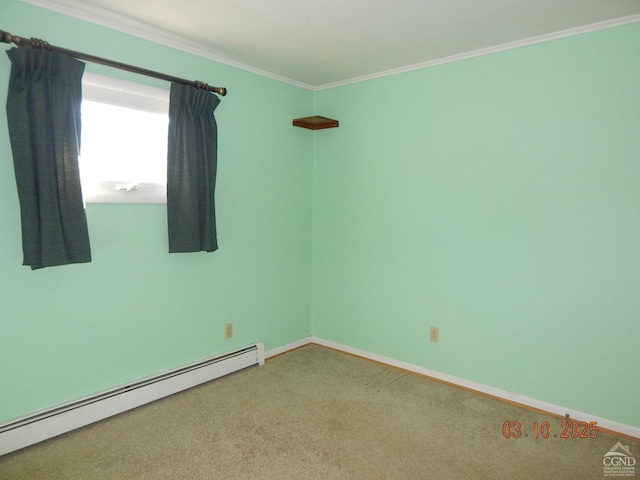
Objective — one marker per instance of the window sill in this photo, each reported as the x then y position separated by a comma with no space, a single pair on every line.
123,192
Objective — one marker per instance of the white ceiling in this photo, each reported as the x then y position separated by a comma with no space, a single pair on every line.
326,42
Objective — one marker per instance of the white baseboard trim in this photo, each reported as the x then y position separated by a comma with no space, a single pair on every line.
285,348
51,422
604,423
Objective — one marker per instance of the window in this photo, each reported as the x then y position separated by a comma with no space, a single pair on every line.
123,157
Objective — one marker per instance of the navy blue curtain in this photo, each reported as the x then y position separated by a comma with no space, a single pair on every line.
43,112
191,170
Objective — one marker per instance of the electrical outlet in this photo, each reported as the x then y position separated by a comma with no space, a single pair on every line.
434,334
228,330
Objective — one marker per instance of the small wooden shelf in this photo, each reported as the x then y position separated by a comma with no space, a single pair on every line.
315,122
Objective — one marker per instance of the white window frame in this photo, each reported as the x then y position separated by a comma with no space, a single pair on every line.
132,95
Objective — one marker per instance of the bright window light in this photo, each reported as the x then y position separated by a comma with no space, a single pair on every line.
123,156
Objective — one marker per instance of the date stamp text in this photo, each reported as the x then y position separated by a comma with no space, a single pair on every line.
568,429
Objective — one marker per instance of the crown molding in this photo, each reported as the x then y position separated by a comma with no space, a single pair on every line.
593,27
113,25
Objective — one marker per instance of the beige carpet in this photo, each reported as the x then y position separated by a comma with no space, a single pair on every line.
316,414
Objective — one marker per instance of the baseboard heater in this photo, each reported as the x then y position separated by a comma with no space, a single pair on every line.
51,422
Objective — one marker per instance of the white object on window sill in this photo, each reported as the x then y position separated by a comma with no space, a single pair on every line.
128,188
120,192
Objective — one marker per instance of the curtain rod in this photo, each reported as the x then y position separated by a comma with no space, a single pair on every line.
7,37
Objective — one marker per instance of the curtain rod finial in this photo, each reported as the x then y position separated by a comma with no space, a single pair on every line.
6,37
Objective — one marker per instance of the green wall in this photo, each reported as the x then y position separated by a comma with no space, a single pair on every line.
496,198
66,332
